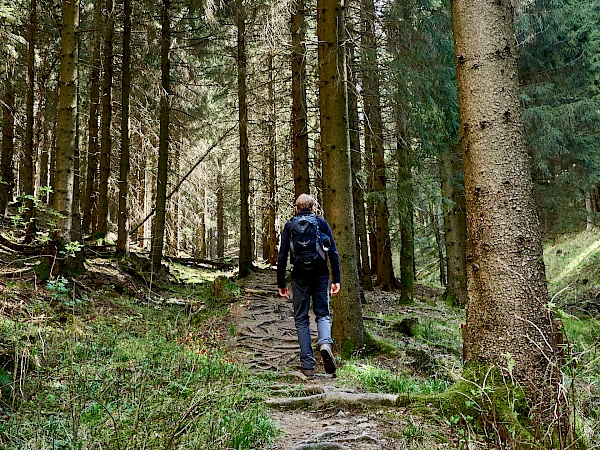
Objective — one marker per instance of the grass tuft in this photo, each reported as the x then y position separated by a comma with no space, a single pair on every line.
376,379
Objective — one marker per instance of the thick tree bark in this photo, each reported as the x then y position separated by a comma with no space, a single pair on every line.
8,143
374,134
455,228
90,199
362,245
507,317
158,232
106,119
299,114
26,174
245,256
124,168
348,327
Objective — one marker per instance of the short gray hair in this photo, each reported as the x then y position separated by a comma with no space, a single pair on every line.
305,201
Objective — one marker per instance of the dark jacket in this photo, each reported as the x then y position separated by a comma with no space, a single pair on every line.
284,249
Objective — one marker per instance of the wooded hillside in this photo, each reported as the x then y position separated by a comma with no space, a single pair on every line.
444,142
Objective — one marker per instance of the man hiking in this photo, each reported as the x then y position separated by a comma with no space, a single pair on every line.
310,240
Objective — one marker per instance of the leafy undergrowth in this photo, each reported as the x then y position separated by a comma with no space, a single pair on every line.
100,370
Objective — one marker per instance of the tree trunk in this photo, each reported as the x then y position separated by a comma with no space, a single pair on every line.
270,241
506,283
26,174
374,134
122,222
299,114
141,197
200,237
264,202
8,143
245,256
106,120
158,232
45,159
66,134
439,245
348,327
406,209
455,230
220,210
370,214
90,199
52,160
591,207
362,245
75,259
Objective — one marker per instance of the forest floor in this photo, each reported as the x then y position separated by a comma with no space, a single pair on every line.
114,314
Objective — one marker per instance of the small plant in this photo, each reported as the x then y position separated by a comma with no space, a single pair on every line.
72,247
59,287
413,433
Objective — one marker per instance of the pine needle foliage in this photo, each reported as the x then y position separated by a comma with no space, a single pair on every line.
560,72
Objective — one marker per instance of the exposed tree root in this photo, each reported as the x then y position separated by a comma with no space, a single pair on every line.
322,446
338,397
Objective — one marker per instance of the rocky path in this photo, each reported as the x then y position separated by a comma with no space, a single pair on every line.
265,340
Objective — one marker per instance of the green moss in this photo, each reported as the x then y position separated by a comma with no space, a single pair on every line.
484,401
42,270
348,348
374,345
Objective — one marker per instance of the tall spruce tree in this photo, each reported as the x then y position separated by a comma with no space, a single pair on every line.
506,285
347,327
158,231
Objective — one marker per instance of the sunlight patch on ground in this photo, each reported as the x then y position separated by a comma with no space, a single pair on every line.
577,261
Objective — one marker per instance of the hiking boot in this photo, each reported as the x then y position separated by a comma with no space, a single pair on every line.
328,361
308,373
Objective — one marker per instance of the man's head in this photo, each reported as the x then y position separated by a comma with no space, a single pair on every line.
305,202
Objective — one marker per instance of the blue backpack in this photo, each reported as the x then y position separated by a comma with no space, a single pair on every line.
307,242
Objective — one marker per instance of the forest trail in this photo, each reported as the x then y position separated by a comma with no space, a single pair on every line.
265,340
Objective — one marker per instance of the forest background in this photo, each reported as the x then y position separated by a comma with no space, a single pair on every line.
188,130
415,90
